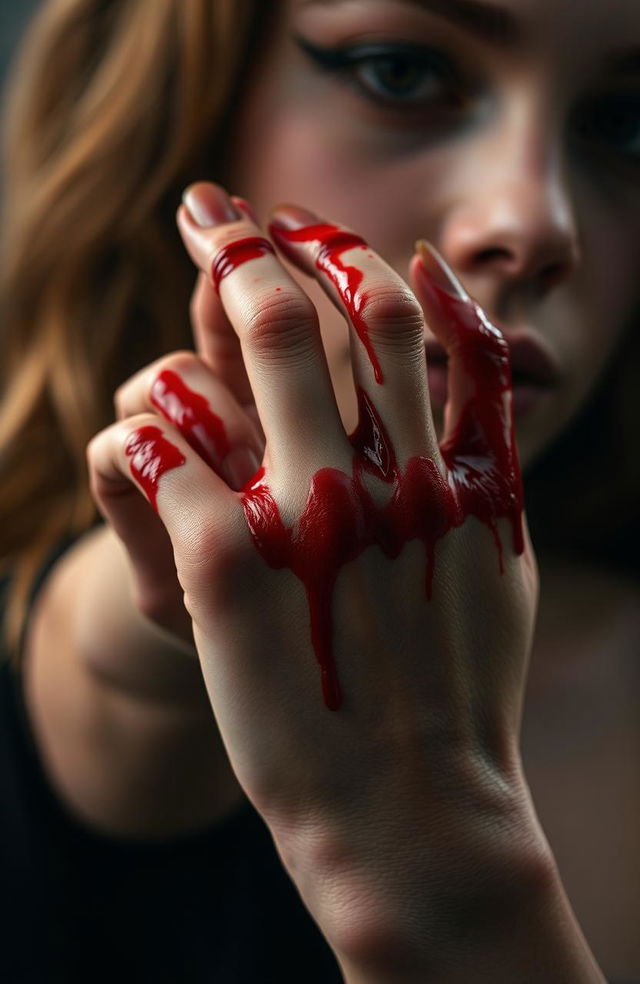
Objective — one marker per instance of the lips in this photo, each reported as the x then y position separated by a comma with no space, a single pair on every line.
533,367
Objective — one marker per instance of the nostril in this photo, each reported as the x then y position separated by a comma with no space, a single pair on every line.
493,253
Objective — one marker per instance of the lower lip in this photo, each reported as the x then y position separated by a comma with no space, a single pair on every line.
526,396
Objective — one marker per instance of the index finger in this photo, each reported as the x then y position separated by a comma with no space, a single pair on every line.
217,343
215,340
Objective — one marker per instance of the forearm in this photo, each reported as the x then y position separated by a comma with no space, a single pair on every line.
115,640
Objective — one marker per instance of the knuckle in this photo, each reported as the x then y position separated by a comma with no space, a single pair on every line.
394,311
287,320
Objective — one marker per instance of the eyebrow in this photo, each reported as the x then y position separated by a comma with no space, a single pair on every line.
501,28
493,24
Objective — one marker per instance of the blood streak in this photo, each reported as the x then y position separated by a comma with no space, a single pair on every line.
152,455
341,518
230,257
481,454
333,242
192,415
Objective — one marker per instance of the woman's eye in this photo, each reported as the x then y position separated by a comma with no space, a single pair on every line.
398,77
614,121
402,76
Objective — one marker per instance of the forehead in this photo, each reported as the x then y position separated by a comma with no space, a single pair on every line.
569,26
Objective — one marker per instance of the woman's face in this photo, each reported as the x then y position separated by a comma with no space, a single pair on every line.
506,133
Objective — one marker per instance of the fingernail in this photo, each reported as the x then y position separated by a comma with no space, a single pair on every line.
239,466
439,272
292,217
208,205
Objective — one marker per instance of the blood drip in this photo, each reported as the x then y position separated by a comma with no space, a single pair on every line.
230,257
340,518
346,279
151,457
481,454
192,415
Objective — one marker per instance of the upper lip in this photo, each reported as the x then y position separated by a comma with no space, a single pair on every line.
532,361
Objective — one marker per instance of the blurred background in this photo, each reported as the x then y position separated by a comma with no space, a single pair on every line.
14,16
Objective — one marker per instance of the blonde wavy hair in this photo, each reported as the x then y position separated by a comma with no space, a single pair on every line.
112,108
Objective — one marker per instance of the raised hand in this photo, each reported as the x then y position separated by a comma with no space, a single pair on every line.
206,394
363,607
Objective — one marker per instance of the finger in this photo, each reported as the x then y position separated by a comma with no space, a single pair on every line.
216,341
280,339
479,446
187,394
145,454
386,324
479,369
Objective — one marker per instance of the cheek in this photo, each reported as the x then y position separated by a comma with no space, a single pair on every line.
305,158
611,289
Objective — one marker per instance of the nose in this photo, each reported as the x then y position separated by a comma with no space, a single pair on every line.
515,227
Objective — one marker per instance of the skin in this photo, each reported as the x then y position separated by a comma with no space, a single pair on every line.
539,234
542,231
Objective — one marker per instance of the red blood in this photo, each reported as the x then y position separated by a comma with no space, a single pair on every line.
151,456
235,254
341,519
481,454
371,442
193,417
346,279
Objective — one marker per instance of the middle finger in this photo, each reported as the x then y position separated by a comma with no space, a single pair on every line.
386,325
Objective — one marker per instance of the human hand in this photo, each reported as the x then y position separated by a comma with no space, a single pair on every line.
184,387
401,567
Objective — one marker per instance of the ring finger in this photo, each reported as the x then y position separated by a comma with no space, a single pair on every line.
187,393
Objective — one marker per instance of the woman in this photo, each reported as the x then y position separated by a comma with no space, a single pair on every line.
389,777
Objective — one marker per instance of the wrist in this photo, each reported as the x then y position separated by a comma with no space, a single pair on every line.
450,899
514,927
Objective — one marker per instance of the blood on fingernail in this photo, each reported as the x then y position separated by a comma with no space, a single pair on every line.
152,456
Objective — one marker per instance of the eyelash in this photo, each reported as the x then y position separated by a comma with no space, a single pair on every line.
350,63
356,66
